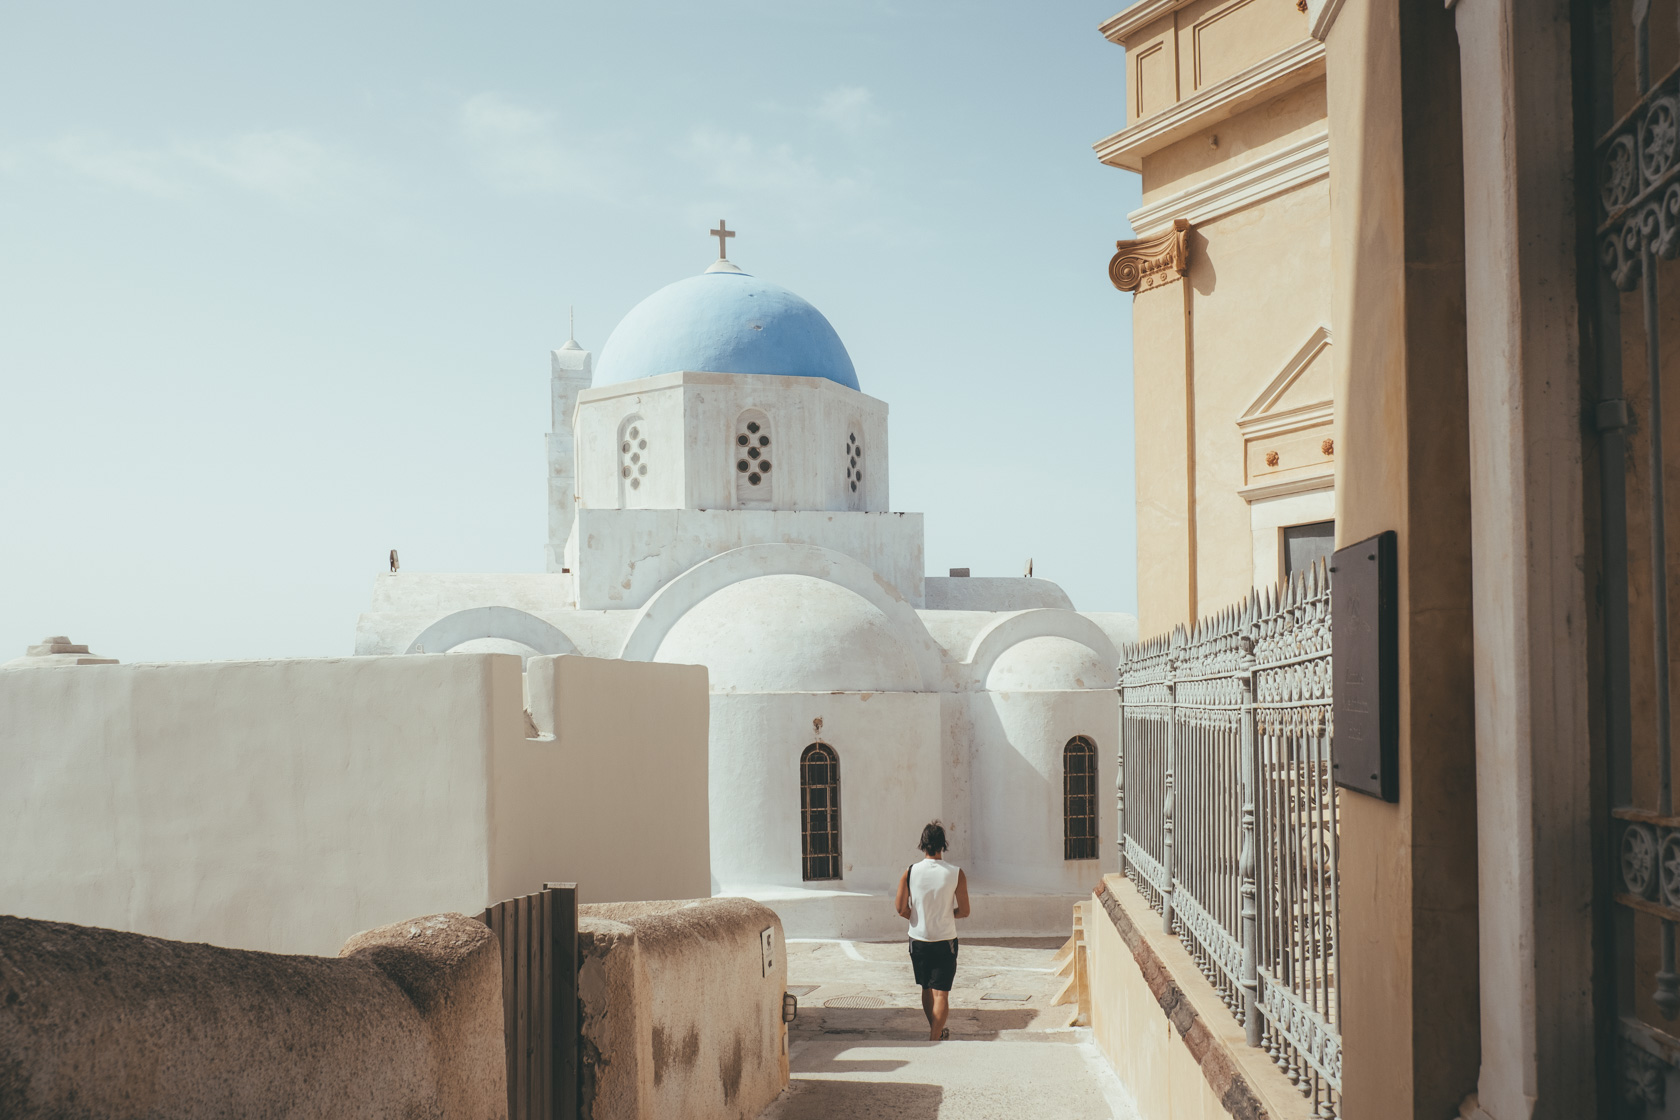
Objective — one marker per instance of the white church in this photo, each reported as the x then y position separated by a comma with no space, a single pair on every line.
718,495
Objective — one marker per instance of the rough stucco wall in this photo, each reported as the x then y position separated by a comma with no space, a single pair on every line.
993,593
1262,286
885,741
691,434
1259,286
1534,737
276,805
680,1016
1135,1035
407,1025
1249,136
621,557
626,761
1166,479
282,805
1017,815
1408,871
1163,1027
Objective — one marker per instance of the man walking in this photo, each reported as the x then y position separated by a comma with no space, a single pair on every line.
932,895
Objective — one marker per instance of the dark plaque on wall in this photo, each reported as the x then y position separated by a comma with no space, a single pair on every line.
1365,666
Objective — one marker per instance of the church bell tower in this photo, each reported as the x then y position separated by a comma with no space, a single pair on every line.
570,374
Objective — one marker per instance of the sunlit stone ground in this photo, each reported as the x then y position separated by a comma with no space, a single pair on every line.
1011,1054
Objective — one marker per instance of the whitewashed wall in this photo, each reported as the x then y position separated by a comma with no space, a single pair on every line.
890,783
619,558
1017,785
285,805
689,419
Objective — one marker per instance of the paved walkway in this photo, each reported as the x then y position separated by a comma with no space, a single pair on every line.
859,1048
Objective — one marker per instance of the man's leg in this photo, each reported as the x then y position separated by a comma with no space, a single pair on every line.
938,1012
927,1004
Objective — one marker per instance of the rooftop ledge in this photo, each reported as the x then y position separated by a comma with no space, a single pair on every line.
1116,29
1293,66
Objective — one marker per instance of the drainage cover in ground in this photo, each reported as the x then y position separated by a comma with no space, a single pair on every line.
802,990
855,1001
1008,995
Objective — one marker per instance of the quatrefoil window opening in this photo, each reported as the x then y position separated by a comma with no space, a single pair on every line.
854,467
632,454
752,458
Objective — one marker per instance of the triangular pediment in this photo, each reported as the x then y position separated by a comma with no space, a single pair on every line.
1302,385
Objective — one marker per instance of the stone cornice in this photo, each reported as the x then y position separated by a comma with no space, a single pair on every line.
1285,169
1292,420
1150,262
1116,29
1323,13
1294,65
1265,490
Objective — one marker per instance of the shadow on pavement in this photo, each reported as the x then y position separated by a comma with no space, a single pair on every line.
807,1099
907,1024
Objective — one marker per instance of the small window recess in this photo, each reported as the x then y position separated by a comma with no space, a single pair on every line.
1079,799
632,460
819,812
855,494
751,459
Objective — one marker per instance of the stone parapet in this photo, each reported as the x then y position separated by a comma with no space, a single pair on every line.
405,1023
681,1009
1198,1066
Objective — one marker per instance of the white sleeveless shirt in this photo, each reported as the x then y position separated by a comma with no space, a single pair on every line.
933,900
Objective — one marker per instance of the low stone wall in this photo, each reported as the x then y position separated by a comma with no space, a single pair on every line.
406,1023
680,1016
1164,1029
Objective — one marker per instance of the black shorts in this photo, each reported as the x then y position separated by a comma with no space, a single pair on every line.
935,963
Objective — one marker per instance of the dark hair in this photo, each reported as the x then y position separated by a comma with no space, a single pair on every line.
933,838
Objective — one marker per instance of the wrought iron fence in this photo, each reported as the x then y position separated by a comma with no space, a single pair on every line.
1228,815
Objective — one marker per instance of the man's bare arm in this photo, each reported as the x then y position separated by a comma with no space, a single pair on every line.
902,903
962,894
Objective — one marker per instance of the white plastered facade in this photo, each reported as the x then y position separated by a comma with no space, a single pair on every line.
806,599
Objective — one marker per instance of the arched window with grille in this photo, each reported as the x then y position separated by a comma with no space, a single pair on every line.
1079,799
819,811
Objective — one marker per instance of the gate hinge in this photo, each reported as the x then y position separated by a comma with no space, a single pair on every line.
1612,415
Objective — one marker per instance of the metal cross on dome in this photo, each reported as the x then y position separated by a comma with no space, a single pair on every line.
721,232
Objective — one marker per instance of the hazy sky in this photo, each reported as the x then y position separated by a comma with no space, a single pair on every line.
278,283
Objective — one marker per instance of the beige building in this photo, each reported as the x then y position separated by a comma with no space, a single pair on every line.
1225,122
1492,256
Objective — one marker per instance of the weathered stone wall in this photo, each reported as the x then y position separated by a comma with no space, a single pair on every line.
405,1023
680,1018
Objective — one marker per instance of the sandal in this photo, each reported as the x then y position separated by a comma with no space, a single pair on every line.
945,1035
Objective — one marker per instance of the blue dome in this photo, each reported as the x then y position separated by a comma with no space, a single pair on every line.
724,322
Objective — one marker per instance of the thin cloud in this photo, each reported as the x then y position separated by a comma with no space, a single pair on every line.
146,172
851,109
521,150
285,165
738,161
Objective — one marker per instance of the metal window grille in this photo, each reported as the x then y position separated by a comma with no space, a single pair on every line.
1079,799
819,811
